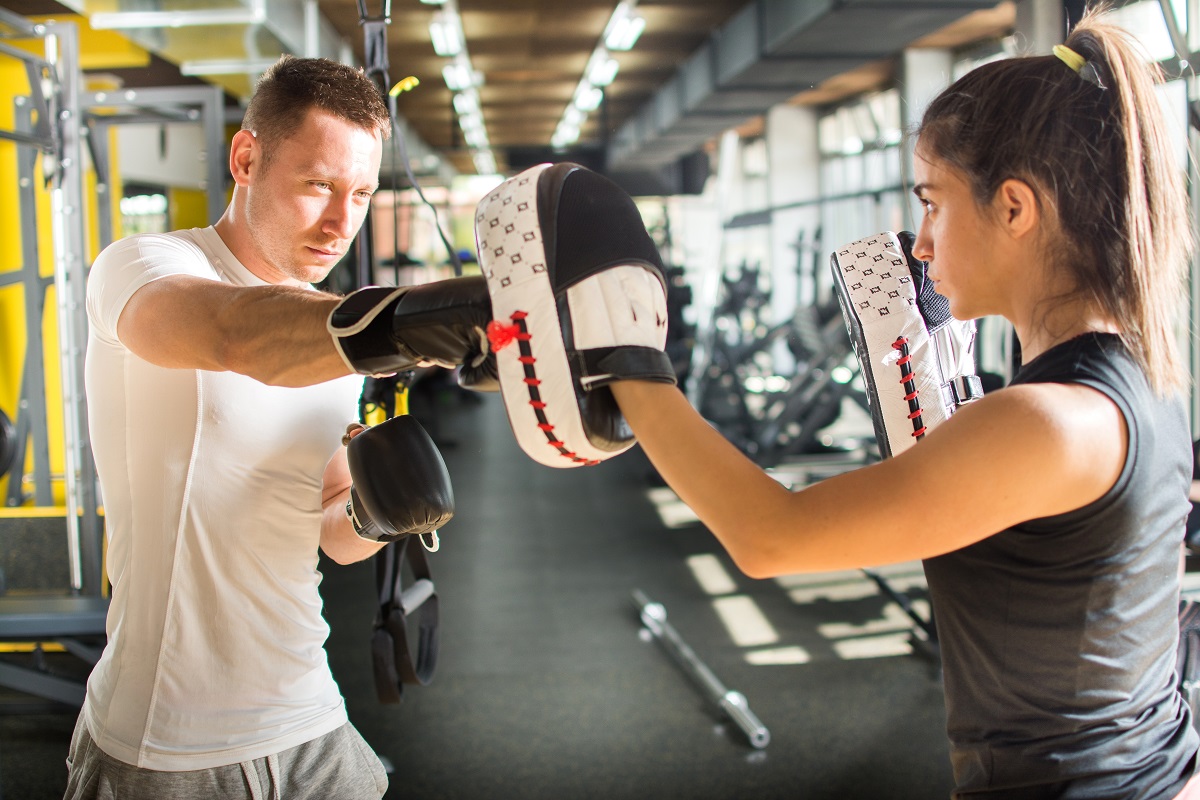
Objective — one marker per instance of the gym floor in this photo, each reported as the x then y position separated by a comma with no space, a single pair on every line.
546,685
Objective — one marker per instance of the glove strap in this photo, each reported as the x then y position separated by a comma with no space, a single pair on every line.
964,389
362,523
361,326
606,365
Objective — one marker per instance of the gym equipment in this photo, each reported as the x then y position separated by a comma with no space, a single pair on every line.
731,703
392,658
50,124
8,444
769,417
392,661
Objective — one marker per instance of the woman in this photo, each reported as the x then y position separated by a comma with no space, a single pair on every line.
1049,513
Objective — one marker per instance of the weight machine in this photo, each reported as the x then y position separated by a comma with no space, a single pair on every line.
50,124
56,122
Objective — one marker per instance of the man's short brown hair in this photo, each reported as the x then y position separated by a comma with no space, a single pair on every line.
292,86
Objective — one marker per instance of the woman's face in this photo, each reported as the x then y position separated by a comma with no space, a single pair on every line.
957,239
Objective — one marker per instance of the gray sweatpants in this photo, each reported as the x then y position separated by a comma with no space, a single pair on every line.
339,765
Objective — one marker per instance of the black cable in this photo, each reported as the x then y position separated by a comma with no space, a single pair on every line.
376,65
398,140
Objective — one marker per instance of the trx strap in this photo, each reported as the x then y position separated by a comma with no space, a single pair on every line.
391,656
376,68
383,398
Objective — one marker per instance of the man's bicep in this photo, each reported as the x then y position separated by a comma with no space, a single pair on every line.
174,322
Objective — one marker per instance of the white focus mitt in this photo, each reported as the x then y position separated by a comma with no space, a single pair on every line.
578,301
917,360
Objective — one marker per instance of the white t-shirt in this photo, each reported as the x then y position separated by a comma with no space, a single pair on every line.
211,484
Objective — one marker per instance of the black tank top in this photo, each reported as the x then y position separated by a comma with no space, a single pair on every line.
1058,635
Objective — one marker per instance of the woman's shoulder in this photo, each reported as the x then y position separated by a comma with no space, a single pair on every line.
1052,447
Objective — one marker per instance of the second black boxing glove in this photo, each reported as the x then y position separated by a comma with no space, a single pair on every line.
401,485
380,330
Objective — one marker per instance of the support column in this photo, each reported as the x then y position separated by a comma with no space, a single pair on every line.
1041,24
794,163
923,74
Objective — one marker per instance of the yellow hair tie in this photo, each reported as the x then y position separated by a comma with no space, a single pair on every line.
1069,57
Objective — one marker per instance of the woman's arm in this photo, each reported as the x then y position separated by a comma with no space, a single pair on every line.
1021,453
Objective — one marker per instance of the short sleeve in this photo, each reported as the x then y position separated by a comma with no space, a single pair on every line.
129,264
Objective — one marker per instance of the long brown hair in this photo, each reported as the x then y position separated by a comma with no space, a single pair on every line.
1094,147
292,86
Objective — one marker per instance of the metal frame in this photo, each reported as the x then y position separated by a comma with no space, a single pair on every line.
52,127
31,418
202,104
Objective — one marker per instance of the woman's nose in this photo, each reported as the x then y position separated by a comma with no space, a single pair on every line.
922,248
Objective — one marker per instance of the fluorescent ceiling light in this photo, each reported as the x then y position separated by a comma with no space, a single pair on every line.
226,66
625,33
128,20
565,135
485,162
476,138
602,70
458,76
466,103
573,117
588,97
446,33
470,122
624,27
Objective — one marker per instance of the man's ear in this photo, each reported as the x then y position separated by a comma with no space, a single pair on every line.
243,154
1017,207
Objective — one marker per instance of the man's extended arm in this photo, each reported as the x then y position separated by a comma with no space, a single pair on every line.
274,334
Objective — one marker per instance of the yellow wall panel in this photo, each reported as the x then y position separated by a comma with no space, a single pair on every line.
13,323
101,49
13,82
188,208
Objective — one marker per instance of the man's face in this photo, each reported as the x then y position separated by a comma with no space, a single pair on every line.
305,205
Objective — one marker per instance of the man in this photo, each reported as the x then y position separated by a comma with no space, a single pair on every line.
218,393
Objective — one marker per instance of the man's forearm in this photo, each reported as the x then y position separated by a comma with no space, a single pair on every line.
278,335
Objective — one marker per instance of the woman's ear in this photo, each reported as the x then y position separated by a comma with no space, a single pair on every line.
243,152
1017,207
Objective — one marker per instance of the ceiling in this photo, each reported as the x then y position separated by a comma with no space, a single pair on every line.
700,67
532,54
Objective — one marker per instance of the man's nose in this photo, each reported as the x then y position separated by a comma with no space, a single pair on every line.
341,218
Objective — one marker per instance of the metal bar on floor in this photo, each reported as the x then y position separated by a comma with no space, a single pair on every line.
733,704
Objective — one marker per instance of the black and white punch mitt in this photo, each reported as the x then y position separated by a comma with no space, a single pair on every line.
578,302
918,362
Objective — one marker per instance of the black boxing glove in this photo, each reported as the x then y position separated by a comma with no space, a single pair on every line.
380,330
401,486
